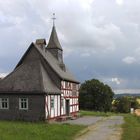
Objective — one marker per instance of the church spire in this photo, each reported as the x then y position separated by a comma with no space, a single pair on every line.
54,46
53,18
53,41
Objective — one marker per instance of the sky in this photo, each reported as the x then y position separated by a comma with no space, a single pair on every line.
100,38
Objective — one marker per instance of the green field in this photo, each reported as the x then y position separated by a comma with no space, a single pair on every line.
131,128
37,131
12,130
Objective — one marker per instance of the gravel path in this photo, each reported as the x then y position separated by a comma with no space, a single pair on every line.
105,129
86,120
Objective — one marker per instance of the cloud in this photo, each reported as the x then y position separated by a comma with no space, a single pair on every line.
129,60
2,75
86,54
93,33
119,2
116,80
119,91
6,21
68,52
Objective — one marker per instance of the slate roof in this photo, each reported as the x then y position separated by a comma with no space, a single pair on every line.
30,75
55,64
53,41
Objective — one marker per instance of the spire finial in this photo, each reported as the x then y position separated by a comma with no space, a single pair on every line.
53,18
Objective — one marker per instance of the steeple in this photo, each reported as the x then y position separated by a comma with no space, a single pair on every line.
54,45
53,41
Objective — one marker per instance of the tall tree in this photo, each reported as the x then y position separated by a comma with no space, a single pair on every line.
123,104
95,95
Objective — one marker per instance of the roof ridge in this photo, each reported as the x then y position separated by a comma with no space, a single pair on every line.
47,55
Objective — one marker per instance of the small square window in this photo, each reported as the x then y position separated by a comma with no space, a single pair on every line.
23,103
4,103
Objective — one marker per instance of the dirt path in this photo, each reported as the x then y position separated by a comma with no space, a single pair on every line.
86,120
105,129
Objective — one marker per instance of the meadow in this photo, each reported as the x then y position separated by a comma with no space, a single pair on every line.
37,131
14,130
131,127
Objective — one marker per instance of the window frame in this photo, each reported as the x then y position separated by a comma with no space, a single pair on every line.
62,102
52,103
25,102
1,103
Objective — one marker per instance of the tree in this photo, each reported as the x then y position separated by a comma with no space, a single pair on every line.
95,95
123,104
134,103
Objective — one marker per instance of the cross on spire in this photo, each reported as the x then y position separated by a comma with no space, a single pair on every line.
53,18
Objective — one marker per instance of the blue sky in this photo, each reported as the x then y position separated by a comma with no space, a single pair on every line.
100,38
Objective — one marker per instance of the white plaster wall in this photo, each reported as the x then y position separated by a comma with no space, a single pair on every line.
68,93
58,105
63,109
46,107
53,112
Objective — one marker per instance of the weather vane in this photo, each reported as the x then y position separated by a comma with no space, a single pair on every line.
53,18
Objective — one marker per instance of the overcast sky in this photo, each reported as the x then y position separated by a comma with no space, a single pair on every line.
100,38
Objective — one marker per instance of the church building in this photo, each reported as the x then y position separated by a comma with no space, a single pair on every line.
40,87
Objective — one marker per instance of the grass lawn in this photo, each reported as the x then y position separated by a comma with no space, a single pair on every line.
94,113
131,128
37,131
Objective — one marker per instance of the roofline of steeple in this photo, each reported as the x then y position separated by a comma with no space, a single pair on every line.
54,41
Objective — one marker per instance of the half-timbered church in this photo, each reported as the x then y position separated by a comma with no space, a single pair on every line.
40,87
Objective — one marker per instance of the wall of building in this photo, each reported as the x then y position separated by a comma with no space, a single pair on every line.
52,112
35,112
70,91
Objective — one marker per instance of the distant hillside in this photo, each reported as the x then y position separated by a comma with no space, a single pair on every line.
127,94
